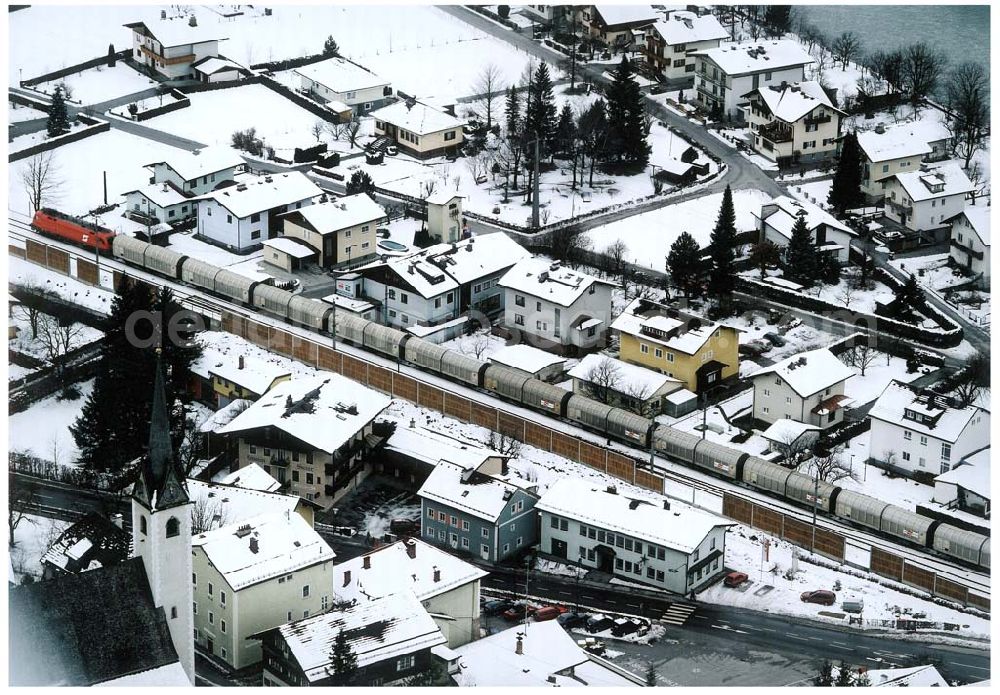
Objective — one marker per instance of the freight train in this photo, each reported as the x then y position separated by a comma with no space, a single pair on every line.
72,229
511,385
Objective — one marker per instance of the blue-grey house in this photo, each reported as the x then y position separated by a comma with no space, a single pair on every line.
474,511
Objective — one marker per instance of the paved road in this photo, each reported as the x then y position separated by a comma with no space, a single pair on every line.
142,131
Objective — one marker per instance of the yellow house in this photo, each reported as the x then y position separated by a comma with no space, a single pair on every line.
688,348
245,379
418,129
342,230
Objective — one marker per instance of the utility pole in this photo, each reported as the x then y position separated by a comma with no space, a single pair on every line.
534,188
812,545
527,569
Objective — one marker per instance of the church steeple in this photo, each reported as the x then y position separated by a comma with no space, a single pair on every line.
160,484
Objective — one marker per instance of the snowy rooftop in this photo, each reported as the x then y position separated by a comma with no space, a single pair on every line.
651,323
948,178
547,651
259,193
540,277
210,160
162,194
794,101
442,197
214,64
681,528
787,431
809,372
92,542
250,477
223,416
341,213
626,14
915,677
902,140
387,628
897,398
323,411
247,372
341,76
351,304
392,569
290,245
478,494
979,217
419,118
276,543
783,219
973,473
234,504
177,32
431,447
687,27
632,379
526,358
171,675
757,56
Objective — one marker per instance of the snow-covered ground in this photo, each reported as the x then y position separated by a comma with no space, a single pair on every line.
811,191
23,142
874,482
100,84
32,537
80,335
933,273
17,114
843,293
480,344
864,389
43,429
24,273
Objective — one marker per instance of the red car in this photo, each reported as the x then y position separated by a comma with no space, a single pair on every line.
549,612
820,596
518,612
734,579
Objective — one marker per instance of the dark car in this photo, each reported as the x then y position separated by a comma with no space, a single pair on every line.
775,339
572,619
749,350
624,626
820,596
497,606
761,345
658,88
599,623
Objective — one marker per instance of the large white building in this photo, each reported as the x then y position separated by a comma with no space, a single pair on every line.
171,47
341,83
792,123
970,242
778,217
898,148
671,43
923,200
807,387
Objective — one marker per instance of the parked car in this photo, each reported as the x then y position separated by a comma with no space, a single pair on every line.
572,619
624,626
549,613
658,88
599,623
820,596
775,339
735,579
517,612
749,350
761,345
497,606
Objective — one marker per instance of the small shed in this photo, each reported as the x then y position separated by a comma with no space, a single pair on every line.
680,402
288,254
530,360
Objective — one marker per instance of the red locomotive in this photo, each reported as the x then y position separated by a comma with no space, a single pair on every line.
72,229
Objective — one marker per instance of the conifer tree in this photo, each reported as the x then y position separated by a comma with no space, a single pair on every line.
540,115
909,293
801,262
58,122
722,277
626,118
343,660
684,265
514,134
845,193
565,131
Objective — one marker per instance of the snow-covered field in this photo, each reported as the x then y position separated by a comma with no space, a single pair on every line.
32,537
23,142
100,84
884,369
80,335
24,273
43,429
17,114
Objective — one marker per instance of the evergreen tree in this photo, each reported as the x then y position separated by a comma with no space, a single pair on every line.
540,114
512,112
626,118
825,677
593,131
58,122
722,278
829,268
684,265
565,131
343,660
846,190
330,47
843,675
801,262
111,55
910,294
360,182
778,19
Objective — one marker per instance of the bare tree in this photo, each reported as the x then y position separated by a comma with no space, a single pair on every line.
637,398
476,346
568,244
791,445
968,97
922,68
614,257
847,291
846,47
479,164
40,178
862,355
504,444
974,379
351,132
429,185
603,379
31,312
317,130
21,496
57,339
810,34
829,468
208,514
980,181
336,130
488,88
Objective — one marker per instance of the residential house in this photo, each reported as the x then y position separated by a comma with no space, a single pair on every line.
391,637
414,452
444,217
617,26
253,575
925,199
970,243
556,308
896,149
247,377
915,431
726,73
622,384
544,656
341,230
214,69
913,677
447,586
171,47
314,433
530,360
251,477
240,217
418,129
90,543
778,217
670,44
793,123
339,82
966,487
477,513
807,387
288,253
543,14
790,437
701,354
670,546
223,502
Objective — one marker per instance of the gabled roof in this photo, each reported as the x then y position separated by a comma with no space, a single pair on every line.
687,27
82,629
614,15
475,493
418,118
757,56
323,411
296,248
255,375
914,677
526,358
657,323
263,547
631,378
430,447
209,160
783,219
176,32
251,477
972,473
210,65
341,76
902,140
259,193
162,194
979,219
786,431
809,372
233,504
90,543
898,397
341,213
920,185
169,676
544,279
791,102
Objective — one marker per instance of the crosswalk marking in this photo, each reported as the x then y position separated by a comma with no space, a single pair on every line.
678,613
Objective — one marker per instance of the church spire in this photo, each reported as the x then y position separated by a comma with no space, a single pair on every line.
159,480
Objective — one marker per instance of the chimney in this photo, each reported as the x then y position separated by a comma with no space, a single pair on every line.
519,649
411,549
242,363
253,545
437,574
163,14
880,129
193,21
165,187
666,505
347,576
117,520
612,489
366,562
551,678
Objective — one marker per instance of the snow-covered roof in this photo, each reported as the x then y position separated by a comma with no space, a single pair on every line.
177,32
809,372
540,277
681,396
233,504
322,411
214,64
793,101
209,160
92,542
276,543
631,378
626,14
973,473
341,76
224,415
420,118
349,211
391,570
247,372
650,322
787,431
979,219
547,651
290,245
783,219
897,398
935,182
387,628
757,56
681,528
902,140
259,193
171,675
914,677
478,494
526,358
161,194
250,477
355,306
442,197
687,27
430,447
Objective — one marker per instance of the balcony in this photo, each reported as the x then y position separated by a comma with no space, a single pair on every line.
819,120
899,209
978,255
176,60
776,132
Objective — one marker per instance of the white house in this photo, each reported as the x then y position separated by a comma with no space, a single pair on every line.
229,500
214,69
447,587
444,217
725,74
671,43
241,217
254,575
920,432
252,477
340,81
618,26
923,200
792,123
625,385
530,360
970,242
670,546
899,148
807,387
830,235
171,47
966,487
419,129
555,307
341,230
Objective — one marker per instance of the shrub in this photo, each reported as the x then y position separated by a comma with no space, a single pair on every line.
503,11
70,393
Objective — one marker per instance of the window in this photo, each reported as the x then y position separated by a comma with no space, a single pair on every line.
211,618
437,302
538,306
465,543
766,410
404,298
442,517
712,546
405,662
643,348
454,539
518,320
907,435
295,476
309,478
449,136
767,392
777,381
253,449
519,541
885,168
485,533
229,219
513,527
305,591
659,575
554,523
194,607
142,525
210,588
506,547
670,357
465,525
923,440
173,612
451,297
694,556
906,455
392,294
222,626
194,579
324,603
659,353
365,244
255,217
222,597
347,234
945,452
541,326
922,462
441,536
454,521
788,399
225,654
679,63
518,300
